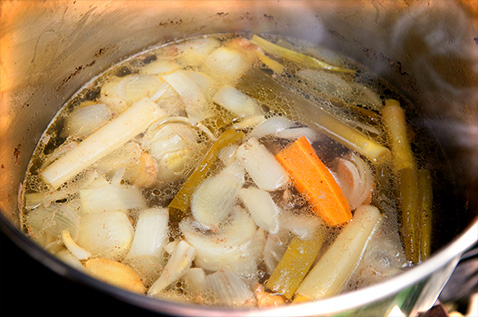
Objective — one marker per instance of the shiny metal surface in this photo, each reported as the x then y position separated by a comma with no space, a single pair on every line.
428,50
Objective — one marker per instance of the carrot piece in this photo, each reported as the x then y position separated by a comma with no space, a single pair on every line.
313,179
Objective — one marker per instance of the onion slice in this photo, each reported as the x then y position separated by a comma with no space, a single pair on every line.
230,248
262,208
212,201
177,266
261,165
228,288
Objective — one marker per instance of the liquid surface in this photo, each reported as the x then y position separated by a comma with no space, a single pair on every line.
162,175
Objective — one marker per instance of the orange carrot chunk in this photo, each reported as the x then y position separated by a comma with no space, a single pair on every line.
313,180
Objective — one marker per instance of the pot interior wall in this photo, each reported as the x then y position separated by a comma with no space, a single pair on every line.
50,49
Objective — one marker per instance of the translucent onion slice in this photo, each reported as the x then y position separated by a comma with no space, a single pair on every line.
193,52
159,66
77,251
262,208
71,260
295,133
274,249
356,180
195,102
212,201
54,219
237,102
261,165
230,248
194,281
227,65
177,266
86,120
271,126
176,149
110,198
106,234
301,225
135,87
228,288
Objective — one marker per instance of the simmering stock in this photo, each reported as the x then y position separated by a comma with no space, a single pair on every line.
235,171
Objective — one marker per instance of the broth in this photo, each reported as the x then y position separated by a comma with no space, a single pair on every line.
168,175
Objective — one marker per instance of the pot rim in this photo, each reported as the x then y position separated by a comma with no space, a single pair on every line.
339,303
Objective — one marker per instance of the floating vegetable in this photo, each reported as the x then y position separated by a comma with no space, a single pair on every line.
261,165
294,265
180,261
115,273
102,142
331,273
294,56
183,197
150,236
111,198
212,201
313,115
106,234
237,102
85,120
262,208
425,204
312,178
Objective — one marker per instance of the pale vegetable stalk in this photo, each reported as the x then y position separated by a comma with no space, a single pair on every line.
425,190
212,201
262,208
294,56
102,142
313,115
393,117
177,266
329,276
150,236
71,260
111,198
261,165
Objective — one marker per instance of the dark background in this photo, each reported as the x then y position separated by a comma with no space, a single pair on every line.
28,288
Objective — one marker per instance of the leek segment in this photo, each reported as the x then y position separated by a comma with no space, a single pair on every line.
256,83
328,277
294,265
294,56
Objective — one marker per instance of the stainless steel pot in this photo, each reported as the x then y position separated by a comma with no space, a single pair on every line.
427,50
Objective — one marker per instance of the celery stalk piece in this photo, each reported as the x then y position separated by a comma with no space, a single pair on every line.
329,276
269,62
256,84
294,265
425,201
183,197
294,56
102,142
410,216
393,117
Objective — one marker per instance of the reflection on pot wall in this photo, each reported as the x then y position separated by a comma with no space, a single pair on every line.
428,50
